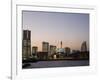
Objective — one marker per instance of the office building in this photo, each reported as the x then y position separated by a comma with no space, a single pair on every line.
26,44
84,47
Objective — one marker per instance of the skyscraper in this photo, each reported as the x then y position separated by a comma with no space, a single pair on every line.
84,47
26,44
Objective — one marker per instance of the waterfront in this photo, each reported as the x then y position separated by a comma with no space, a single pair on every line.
54,39
64,63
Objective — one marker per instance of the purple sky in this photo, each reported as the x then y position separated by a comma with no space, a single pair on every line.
70,28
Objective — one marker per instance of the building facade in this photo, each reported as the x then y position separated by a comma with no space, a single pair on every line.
26,44
84,47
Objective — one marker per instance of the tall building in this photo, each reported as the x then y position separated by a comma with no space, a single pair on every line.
34,50
26,44
45,47
67,51
52,49
84,47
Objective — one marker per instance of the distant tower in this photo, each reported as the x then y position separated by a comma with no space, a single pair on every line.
61,44
26,44
84,47
60,50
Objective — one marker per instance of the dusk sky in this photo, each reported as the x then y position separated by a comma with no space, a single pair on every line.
70,28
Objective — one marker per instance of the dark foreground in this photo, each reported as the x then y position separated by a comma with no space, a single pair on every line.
49,64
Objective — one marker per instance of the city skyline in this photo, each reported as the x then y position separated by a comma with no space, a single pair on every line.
70,28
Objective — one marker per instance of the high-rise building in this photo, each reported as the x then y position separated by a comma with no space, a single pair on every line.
67,51
84,47
52,49
26,44
45,47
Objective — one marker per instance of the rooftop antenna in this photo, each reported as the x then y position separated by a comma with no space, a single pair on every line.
61,44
